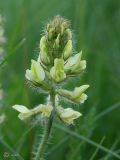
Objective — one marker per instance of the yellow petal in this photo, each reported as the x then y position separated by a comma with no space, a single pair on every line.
21,108
77,95
38,73
68,115
45,59
57,71
74,64
67,52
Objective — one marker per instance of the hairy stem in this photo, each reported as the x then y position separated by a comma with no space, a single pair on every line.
47,130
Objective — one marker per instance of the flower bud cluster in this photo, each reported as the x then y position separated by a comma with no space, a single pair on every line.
54,65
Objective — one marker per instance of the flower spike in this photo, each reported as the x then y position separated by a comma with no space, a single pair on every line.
55,64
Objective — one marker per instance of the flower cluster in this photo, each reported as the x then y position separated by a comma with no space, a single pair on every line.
54,65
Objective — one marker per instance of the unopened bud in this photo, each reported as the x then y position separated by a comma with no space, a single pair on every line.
45,58
57,71
36,74
67,51
75,64
57,42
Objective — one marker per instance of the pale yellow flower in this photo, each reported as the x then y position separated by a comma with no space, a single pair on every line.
77,95
25,113
46,110
57,71
68,115
75,64
45,59
36,74
67,51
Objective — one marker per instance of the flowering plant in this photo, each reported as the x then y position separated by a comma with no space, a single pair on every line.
55,64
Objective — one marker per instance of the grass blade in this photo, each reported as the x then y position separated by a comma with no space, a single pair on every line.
13,51
108,110
58,145
13,152
97,149
81,137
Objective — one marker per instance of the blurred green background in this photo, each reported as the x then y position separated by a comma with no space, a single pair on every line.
96,28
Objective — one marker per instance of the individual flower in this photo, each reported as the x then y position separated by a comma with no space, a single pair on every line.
74,64
77,95
46,110
57,42
25,113
67,51
44,56
68,115
36,74
57,71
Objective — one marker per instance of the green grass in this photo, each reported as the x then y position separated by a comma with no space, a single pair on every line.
95,24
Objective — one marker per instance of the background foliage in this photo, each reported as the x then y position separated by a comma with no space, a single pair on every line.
96,27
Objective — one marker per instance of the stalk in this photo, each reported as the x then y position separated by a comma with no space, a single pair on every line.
47,131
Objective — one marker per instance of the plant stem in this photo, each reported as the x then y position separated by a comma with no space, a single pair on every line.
47,130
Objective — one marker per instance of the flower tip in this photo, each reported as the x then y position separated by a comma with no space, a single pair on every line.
15,107
32,61
80,53
28,75
79,114
84,87
21,117
87,86
20,108
68,115
83,98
